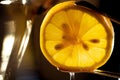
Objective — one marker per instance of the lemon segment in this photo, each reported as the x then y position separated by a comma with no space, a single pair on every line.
96,32
96,54
62,55
58,20
87,23
52,31
84,60
52,49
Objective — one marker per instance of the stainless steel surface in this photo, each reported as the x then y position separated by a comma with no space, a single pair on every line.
16,25
16,28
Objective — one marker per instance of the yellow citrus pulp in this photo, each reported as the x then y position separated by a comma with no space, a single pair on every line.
75,38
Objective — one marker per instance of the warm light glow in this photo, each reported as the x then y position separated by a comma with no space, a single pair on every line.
6,2
6,51
1,77
7,48
10,1
24,1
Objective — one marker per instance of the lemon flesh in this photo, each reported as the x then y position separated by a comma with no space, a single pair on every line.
74,38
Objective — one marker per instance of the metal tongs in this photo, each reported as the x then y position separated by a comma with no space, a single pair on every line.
103,7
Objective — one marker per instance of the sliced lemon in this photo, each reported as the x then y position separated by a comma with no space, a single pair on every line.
74,38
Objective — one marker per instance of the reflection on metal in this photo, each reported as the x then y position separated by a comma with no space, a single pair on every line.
24,42
7,47
107,73
1,77
24,1
7,2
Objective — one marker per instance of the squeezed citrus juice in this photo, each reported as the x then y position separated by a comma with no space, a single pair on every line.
76,39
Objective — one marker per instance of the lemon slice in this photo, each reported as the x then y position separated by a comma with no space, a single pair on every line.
74,38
